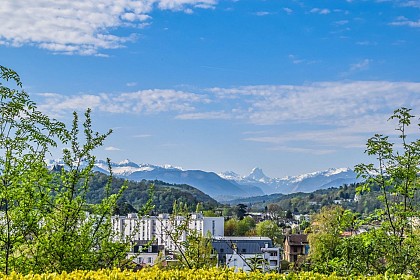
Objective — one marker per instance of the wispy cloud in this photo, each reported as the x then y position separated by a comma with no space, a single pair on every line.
403,21
366,43
297,60
362,65
82,27
263,13
320,11
142,136
111,148
205,116
330,115
342,22
144,101
326,103
131,84
288,11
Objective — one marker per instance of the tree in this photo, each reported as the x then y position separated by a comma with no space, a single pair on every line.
274,210
78,235
270,229
46,223
25,137
240,211
192,248
325,236
396,175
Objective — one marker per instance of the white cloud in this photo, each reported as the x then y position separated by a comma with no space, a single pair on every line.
110,148
327,116
341,22
180,4
142,136
205,116
144,101
320,11
80,27
361,65
326,103
366,43
263,13
403,21
411,3
288,11
131,84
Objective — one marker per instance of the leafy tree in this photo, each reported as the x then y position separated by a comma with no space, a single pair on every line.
270,229
198,251
192,249
46,222
77,235
396,175
25,137
274,210
235,227
325,236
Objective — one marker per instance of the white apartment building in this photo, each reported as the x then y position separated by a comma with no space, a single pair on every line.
162,228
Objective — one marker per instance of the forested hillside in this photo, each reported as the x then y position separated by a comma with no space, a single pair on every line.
309,203
136,194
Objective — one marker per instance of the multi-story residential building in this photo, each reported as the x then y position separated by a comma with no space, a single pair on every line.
165,229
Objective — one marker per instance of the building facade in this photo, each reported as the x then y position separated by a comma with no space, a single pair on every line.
247,253
165,229
295,245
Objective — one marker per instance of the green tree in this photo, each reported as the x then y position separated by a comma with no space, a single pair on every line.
396,175
270,229
325,236
78,235
26,135
192,248
46,223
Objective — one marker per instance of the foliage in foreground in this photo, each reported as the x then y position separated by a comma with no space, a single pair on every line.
199,274
46,222
390,239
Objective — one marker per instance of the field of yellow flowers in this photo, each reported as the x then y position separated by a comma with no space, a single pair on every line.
188,274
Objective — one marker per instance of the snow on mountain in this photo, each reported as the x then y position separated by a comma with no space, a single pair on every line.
333,177
228,185
230,175
258,175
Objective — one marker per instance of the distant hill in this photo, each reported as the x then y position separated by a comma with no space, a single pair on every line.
309,203
229,185
136,195
208,182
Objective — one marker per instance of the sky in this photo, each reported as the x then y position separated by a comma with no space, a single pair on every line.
221,85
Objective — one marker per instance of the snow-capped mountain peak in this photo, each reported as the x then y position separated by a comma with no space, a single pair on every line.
230,175
333,177
129,163
258,175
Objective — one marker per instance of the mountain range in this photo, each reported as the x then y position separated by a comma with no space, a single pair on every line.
229,185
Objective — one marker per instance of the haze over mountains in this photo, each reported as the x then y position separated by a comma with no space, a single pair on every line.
229,185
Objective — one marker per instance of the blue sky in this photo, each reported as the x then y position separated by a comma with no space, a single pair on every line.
288,86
